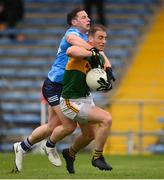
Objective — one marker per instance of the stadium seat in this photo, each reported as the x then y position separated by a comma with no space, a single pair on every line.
124,32
21,84
15,131
20,96
15,107
7,62
21,118
6,147
122,42
22,73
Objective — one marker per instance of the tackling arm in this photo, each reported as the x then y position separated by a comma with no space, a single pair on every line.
78,52
76,40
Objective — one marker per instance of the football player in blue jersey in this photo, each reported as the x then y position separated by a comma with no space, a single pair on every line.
79,23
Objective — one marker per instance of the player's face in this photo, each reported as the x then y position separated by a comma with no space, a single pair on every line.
99,40
82,21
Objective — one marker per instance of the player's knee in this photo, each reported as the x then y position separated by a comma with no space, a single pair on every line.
52,125
70,128
108,120
50,129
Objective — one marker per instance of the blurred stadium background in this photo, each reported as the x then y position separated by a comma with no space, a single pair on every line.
136,50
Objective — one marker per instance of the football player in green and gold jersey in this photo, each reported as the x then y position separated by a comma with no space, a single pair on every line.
77,102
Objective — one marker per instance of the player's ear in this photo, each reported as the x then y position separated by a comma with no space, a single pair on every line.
74,22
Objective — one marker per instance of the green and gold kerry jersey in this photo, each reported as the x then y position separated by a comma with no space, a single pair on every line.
74,83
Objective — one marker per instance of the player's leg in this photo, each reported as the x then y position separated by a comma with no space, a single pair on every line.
67,126
87,112
40,133
98,115
61,131
51,92
52,153
84,111
45,130
81,141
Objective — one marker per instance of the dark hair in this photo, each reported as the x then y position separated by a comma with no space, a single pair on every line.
96,27
72,15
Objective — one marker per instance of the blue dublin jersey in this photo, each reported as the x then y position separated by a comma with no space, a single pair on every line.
56,72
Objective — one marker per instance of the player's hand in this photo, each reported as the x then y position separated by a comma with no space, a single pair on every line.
105,86
95,50
110,75
95,58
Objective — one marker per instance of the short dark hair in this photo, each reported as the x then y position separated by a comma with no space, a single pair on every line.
96,27
72,15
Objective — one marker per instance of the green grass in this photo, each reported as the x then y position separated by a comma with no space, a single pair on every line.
124,167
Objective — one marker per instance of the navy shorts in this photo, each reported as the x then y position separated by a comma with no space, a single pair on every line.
52,92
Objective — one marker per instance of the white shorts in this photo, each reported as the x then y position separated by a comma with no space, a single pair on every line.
77,109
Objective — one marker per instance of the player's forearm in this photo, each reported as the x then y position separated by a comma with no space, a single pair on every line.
107,61
78,52
75,40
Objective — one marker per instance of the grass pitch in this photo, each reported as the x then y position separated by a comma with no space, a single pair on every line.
124,167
